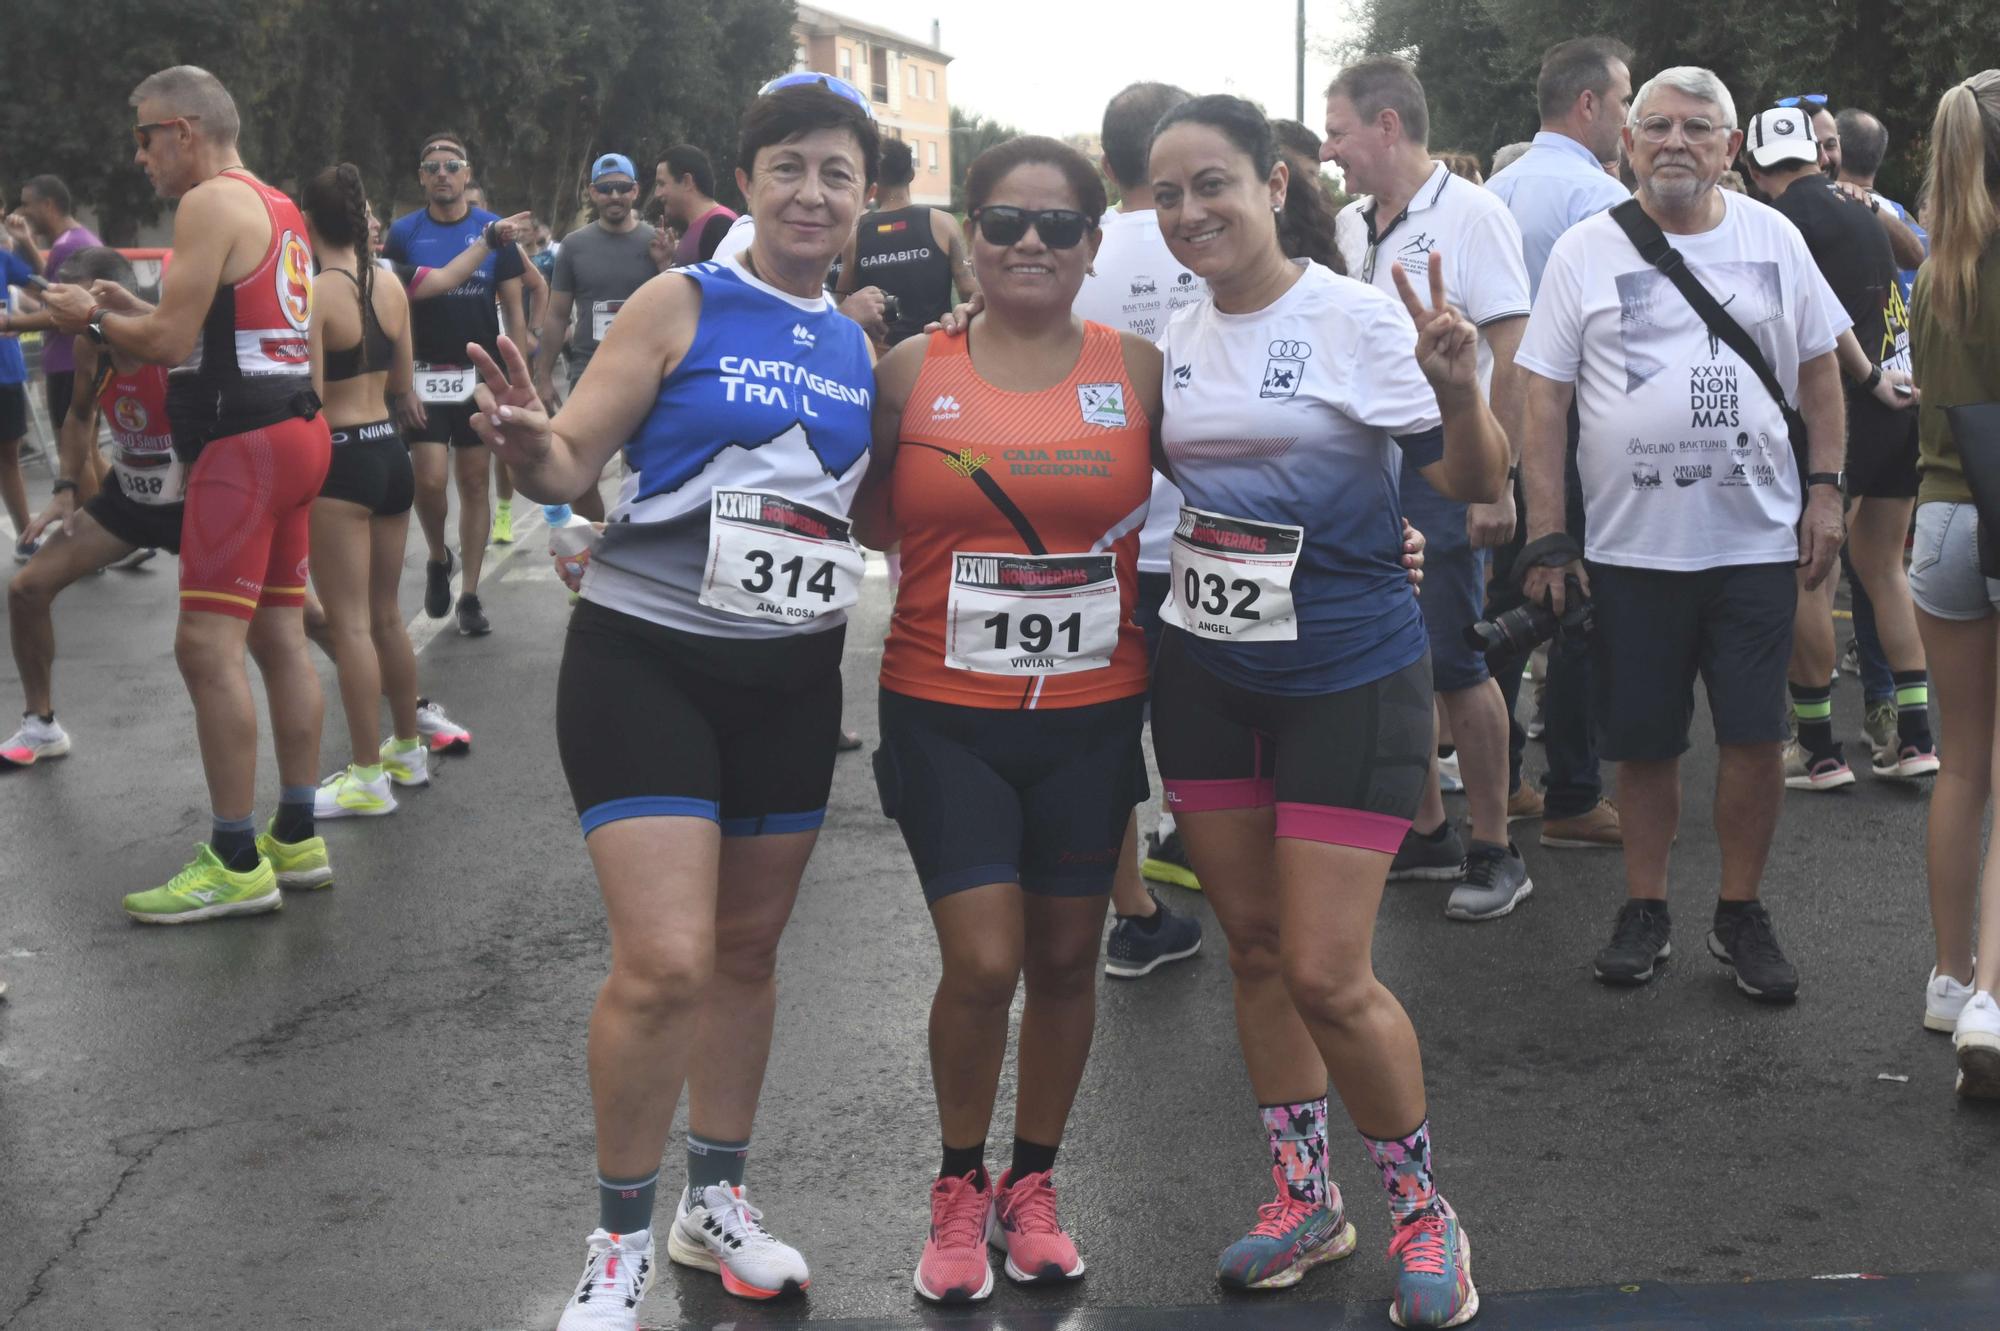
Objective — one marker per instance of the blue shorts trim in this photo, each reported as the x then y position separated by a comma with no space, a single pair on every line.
648,806
774,824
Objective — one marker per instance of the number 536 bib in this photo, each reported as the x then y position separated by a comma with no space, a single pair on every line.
1233,578
770,557
1032,614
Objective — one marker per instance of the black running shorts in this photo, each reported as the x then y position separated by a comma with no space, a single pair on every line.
998,795
371,467
653,722
144,526
448,423
1345,768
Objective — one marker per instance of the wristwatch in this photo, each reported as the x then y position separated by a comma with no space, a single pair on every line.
1837,479
62,483
95,324
493,241
1874,378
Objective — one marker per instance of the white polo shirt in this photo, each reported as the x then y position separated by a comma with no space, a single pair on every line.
1136,285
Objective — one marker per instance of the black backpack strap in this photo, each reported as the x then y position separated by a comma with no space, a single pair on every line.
1651,242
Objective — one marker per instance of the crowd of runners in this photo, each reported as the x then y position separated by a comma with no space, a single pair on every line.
1297,489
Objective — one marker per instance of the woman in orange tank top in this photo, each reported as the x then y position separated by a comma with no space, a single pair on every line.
1014,464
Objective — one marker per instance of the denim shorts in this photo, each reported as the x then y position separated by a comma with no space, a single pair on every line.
1945,580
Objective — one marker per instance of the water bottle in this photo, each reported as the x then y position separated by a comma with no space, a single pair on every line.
570,539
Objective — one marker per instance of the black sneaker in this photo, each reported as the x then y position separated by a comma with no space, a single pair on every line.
437,586
1140,947
1638,943
471,619
1743,939
1167,862
1438,857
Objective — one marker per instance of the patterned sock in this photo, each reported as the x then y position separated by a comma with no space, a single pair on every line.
1913,707
234,841
1297,1134
713,1163
625,1206
1813,708
1406,1171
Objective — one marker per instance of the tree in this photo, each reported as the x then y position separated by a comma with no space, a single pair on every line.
971,135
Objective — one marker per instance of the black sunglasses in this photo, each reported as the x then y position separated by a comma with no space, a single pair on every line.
615,187
1002,224
450,167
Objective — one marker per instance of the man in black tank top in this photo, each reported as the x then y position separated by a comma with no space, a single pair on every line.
915,254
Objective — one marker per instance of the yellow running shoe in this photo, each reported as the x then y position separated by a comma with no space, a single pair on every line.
299,864
503,522
205,890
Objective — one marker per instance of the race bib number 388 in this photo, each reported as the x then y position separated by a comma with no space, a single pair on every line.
770,557
1233,578
1032,614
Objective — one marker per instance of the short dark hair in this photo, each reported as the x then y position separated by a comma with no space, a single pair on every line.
99,263
440,138
992,166
48,189
1864,142
1379,83
1305,227
1572,68
899,163
1298,138
1128,128
793,112
684,159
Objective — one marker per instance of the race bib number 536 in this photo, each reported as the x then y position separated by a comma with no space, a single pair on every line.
1233,578
445,383
770,557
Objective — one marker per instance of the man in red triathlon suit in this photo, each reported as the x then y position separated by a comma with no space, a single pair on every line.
234,309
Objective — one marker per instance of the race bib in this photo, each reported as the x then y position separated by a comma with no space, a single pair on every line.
1233,578
1032,614
601,314
163,482
446,384
770,557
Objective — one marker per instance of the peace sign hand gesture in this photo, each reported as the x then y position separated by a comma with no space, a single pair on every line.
1447,342
511,419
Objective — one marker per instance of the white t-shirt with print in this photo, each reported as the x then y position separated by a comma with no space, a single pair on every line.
1685,459
1136,286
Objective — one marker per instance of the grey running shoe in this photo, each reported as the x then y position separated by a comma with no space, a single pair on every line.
1139,947
1638,943
1435,858
1496,881
1744,940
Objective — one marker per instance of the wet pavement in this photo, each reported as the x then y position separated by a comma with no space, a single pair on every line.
368,1110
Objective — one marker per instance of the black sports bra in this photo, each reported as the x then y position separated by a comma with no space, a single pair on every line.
369,355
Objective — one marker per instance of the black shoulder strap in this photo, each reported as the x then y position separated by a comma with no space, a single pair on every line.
1651,242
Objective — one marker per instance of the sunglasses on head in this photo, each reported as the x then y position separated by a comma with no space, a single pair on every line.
1003,224
615,187
806,78
1814,98
143,134
450,167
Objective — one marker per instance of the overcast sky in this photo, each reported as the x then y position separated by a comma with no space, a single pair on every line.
1049,68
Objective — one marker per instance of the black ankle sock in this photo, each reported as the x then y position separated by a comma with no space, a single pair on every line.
1723,908
294,822
1031,1158
1446,750
234,842
962,1160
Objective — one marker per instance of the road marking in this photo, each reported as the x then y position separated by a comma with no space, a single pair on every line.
528,523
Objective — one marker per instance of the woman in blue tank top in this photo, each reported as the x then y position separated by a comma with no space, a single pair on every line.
699,701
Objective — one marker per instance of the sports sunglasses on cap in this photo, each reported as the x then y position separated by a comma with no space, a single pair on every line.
1815,98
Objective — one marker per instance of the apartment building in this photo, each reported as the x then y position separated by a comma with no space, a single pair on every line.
904,77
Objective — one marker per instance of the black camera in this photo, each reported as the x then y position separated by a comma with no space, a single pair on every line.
892,308
1529,624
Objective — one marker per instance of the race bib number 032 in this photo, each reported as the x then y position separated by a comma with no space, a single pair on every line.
770,557
1032,614
446,384
1233,578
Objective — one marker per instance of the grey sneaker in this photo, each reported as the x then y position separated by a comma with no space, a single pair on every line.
1136,949
1496,881
1880,724
1436,858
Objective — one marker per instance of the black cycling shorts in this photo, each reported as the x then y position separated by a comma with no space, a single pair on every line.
652,722
999,795
448,423
1345,768
1881,450
144,526
14,412
371,467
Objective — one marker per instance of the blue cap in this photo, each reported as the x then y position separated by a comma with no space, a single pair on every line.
611,164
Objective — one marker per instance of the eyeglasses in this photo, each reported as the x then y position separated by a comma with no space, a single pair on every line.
1002,224
143,134
450,167
615,187
807,78
1695,129
1816,98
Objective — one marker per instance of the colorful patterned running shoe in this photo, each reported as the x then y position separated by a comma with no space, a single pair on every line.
954,1267
616,1274
1433,1260
443,734
1290,1238
1024,1226
717,1229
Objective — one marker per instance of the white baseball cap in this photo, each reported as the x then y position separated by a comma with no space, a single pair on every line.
1781,134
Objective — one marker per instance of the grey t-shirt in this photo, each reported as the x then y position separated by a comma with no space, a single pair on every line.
600,269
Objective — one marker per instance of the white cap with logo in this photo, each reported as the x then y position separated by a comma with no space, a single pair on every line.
1782,134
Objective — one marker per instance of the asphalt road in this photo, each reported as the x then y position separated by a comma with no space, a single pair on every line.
369,1111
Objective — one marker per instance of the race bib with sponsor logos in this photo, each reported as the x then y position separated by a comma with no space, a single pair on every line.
1032,614
770,557
446,384
1233,578
154,479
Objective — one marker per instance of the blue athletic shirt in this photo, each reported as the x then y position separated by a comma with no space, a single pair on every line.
441,326
1296,415
773,395
14,272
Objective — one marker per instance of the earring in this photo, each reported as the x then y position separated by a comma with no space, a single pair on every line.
1090,271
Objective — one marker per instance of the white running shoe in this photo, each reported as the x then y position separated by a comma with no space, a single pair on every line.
35,740
346,794
615,1277
721,1233
1449,781
1944,999
1977,1043
406,767
443,734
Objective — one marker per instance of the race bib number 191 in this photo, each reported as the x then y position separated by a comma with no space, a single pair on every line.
1032,614
447,384
1233,578
770,557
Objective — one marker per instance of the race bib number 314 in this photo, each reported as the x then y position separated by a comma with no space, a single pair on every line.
1233,578
1032,614
770,557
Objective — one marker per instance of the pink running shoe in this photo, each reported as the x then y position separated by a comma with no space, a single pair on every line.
954,1268
1024,1226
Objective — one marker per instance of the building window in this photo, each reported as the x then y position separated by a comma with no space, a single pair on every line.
930,155
911,82
878,74
930,85
847,64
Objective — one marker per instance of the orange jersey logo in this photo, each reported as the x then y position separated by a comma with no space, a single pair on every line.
130,413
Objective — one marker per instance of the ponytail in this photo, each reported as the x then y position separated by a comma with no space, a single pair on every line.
337,205
1305,226
1962,183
